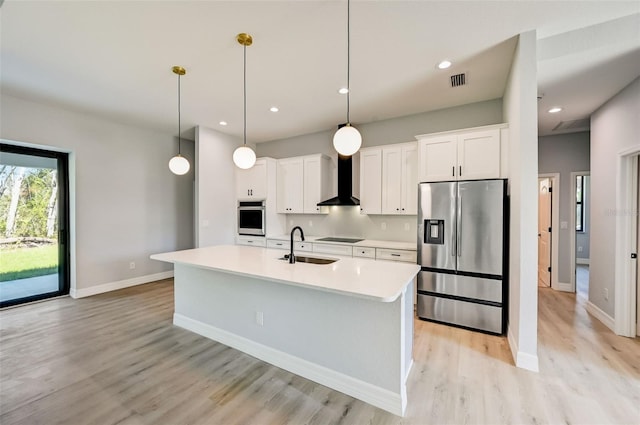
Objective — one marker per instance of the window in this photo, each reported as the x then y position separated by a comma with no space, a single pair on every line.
579,203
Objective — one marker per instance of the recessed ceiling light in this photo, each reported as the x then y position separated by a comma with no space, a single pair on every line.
274,109
223,123
343,90
555,109
444,64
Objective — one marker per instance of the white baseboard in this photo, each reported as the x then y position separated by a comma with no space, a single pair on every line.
562,286
369,393
582,261
599,314
121,284
522,360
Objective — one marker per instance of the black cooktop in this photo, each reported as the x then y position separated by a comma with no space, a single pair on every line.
345,240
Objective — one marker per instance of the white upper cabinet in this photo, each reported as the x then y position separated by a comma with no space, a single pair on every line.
290,177
479,155
251,184
302,182
462,155
371,181
317,183
400,179
389,179
438,158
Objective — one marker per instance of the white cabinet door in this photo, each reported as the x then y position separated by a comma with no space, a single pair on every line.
409,186
317,183
400,179
371,181
479,155
251,184
391,180
290,177
438,158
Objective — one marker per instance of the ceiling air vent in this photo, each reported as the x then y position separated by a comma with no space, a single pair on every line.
458,80
581,124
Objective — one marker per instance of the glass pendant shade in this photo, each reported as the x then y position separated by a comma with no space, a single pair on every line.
347,140
244,157
179,165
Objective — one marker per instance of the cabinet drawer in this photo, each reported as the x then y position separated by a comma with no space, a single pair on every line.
301,246
364,252
333,249
396,255
276,244
251,241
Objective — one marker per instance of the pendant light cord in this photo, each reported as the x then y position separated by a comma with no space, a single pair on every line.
348,57
244,48
179,129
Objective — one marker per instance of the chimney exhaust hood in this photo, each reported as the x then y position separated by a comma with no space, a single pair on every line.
345,183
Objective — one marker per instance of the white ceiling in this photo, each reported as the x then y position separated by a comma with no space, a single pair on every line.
114,58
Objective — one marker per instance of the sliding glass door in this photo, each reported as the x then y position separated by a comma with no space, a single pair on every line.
34,217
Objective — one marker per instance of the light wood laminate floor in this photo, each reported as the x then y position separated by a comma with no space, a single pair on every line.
116,358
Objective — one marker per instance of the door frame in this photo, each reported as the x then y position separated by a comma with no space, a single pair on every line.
572,223
71,171
626,235
555,220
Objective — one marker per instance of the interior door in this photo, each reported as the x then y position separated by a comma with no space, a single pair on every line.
544,232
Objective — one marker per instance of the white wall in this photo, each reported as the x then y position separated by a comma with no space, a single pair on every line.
564,154
395,130
215,188
520,112
615,126
347,221
128,204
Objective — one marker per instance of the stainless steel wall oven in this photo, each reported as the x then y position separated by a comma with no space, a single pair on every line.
251,218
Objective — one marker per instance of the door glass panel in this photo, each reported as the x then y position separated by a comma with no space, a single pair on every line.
30,230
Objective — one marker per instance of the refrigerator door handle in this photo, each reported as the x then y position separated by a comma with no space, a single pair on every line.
459,227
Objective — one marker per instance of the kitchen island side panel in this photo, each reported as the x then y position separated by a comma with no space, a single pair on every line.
363,339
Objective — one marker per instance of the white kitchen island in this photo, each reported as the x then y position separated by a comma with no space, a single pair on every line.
347,325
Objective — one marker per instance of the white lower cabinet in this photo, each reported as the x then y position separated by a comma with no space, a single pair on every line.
396,255
333,249
277,244
251,240
336,249
365,252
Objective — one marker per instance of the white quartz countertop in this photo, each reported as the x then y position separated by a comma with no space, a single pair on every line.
382,281
407,246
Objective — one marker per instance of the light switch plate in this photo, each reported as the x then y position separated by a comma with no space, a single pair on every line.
564,225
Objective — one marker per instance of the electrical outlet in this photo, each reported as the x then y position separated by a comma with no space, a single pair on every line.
205,223
310,223
407,226
383,225
564,225
606,294
132,265
259,318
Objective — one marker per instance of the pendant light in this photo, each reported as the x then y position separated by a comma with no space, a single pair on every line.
179,164
244,157
347,140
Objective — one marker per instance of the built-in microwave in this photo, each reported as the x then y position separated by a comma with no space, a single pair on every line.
251,218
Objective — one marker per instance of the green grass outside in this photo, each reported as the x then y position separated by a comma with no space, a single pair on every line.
21,263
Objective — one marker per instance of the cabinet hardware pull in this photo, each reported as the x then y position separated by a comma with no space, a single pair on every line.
461,171
453,171
395,255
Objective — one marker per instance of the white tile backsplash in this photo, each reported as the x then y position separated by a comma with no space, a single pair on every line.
348,222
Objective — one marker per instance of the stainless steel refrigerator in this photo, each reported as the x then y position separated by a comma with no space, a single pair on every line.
462,251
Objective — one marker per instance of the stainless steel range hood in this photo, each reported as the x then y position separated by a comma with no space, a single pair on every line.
345,183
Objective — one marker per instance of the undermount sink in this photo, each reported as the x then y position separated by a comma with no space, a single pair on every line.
311,260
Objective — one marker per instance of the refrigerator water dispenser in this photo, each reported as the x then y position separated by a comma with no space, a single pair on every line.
434,232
